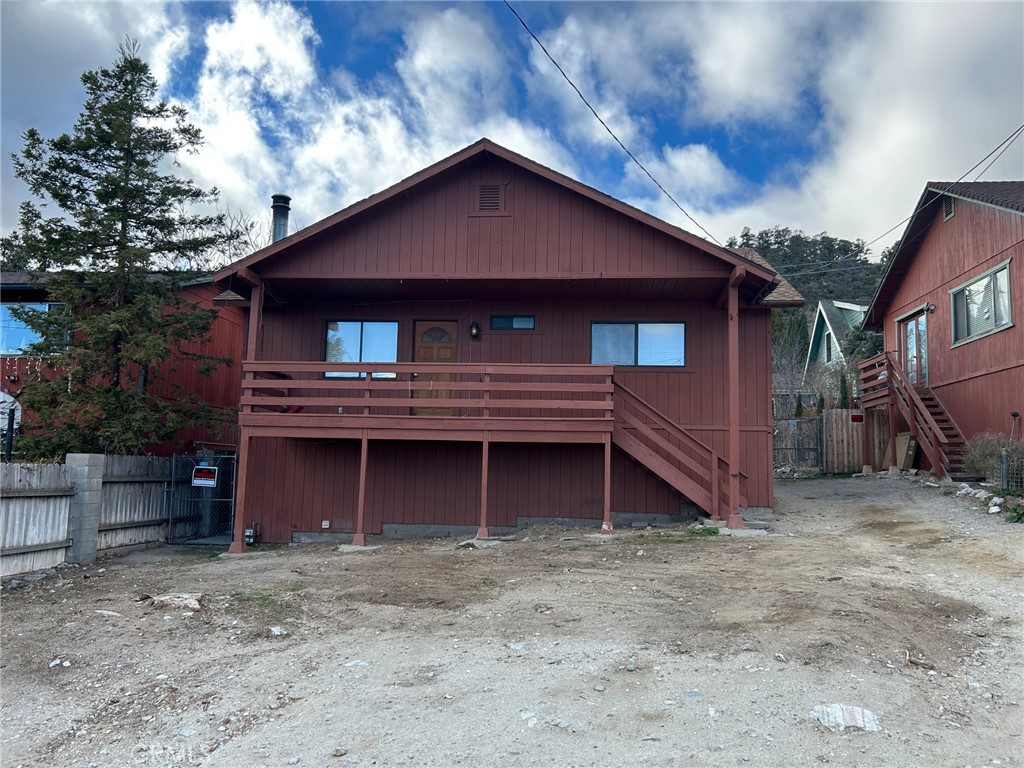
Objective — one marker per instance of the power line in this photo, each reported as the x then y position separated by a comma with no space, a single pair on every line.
1001,147
605,125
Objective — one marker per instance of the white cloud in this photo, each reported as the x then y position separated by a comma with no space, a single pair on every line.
46,46
750,62
911,93
882,97
453,70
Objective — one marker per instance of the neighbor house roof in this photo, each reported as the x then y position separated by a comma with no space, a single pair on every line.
838,318
757,267
1007,195
782,293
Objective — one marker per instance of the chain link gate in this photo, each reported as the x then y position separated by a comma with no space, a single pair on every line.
798,443
201,498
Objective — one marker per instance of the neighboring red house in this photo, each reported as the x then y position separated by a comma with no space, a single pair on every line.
219,389
489,341
954,359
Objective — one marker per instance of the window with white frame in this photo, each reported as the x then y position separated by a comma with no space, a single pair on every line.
636,344
359,341
982,306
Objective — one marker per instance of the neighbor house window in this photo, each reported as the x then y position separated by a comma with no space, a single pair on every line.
15,336
357,341
828,347
638,344
513,322
982,306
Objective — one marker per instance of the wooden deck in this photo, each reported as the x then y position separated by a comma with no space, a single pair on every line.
482,403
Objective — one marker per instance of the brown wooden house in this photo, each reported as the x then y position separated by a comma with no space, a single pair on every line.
489,341
953,364
219,389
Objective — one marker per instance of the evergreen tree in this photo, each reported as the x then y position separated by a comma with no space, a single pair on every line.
124,240
818,266
844,390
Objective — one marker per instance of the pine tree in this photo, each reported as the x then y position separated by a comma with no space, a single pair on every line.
124,240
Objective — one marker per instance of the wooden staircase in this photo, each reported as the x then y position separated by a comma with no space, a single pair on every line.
884,382
671,453
951,449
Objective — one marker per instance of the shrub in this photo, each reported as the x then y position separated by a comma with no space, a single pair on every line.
982,456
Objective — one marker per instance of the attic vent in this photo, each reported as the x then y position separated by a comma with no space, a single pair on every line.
947,208
490,198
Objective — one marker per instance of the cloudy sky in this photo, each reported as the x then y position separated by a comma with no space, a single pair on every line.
815,116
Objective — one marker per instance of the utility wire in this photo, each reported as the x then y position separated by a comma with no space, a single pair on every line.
985,170
1000,147
605,125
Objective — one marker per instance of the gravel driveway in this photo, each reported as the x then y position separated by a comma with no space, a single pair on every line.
559,647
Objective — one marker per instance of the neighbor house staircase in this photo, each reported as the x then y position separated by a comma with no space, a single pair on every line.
883,381
673,454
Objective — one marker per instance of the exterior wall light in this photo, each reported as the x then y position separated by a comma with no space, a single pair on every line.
474,331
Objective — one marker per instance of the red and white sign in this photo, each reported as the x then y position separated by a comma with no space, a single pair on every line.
204,477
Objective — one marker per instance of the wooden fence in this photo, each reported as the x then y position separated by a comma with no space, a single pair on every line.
55,513
35,505
842,439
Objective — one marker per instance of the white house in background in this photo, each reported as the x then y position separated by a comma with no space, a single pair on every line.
832,321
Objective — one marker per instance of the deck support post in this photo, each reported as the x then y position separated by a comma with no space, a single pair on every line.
481,532
735,519
890,383
606,518
359,539
867,454
241,493
252,347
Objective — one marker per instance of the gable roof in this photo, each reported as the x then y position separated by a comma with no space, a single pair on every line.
759,268
839,317
1006,195
1001,194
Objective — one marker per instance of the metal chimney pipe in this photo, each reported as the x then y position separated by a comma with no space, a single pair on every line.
280,205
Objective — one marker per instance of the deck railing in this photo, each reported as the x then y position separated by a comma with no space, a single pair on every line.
428,389
874,381
878,388
686,463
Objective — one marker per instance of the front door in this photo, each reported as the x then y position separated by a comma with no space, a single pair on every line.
434,343
914,343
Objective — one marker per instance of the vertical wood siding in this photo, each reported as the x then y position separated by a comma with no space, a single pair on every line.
548,230
982,381
299,484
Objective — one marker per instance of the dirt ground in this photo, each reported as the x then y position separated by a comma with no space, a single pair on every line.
557,648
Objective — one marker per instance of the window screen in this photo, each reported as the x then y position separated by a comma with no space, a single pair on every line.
655,344
982,306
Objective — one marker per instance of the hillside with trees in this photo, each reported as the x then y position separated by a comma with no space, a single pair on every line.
819,267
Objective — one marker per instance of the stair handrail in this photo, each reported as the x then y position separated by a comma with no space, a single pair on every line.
666,423
929,433
718,466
